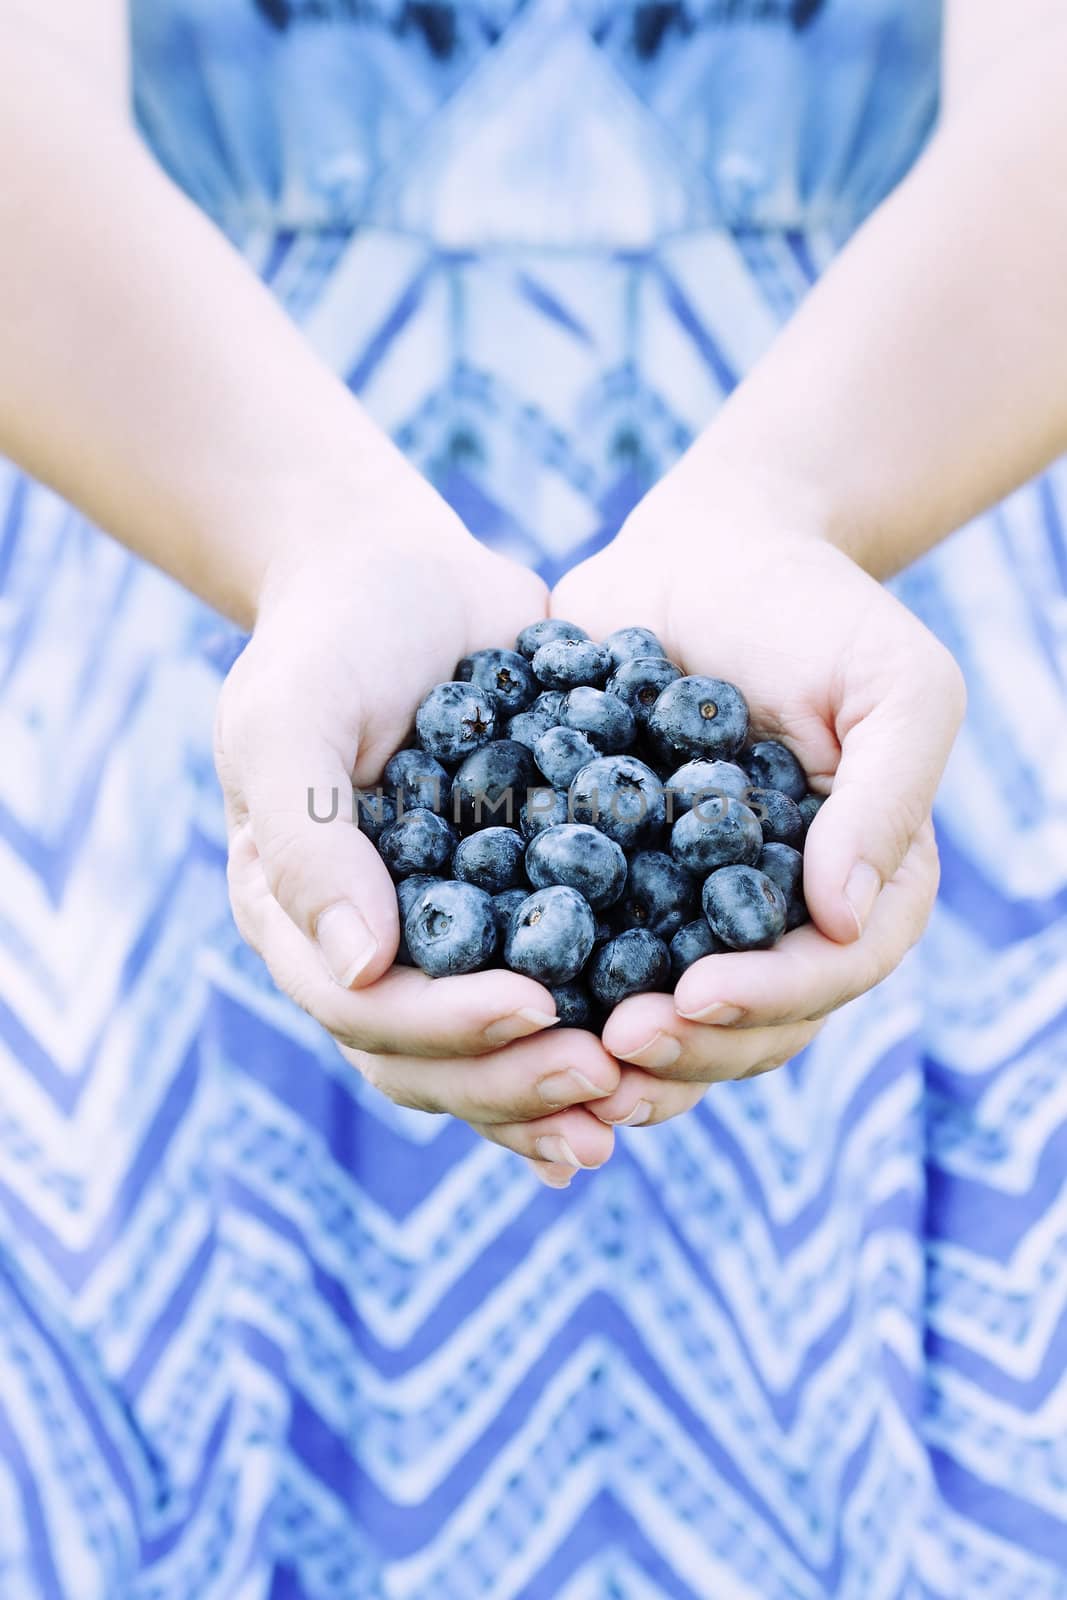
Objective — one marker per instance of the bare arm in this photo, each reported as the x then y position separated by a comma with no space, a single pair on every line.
923,378
145,373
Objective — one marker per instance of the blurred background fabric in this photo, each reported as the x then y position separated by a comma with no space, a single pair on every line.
265,1336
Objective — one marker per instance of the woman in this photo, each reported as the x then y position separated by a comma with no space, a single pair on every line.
268,1329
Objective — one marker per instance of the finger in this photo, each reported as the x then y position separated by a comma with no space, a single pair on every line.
643,1100
289,752
647,1032
892,755
562,1144
405,1012
524,1082
553,1174
808,975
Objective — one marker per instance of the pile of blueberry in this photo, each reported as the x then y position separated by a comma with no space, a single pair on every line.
584,814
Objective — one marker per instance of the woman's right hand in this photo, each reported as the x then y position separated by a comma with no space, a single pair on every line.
353,628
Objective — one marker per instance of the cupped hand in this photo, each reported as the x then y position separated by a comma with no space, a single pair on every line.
868,700
352,630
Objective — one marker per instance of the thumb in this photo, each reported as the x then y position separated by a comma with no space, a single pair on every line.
891,764
324,873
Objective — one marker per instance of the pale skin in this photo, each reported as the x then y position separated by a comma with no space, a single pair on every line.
920,382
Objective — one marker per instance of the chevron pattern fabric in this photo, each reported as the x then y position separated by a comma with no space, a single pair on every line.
266,1336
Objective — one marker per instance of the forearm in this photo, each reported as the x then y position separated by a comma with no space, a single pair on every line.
144,371
923,378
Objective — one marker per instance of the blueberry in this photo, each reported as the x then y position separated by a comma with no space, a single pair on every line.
418,841
635,962
745,908
455,719
697,781
550,935
505,905
779,817
533,637
716,833
419,780
623,798
373,810
561,753
627,644
566,663
450,928
530,724
809,808
407,892
691,944
771,766
700,717
573,1005
542,808
492,859
606,720
660,895
491,786
506,673
581,857
640,682
786,867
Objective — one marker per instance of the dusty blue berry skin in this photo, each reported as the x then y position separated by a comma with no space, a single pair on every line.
771,766
779,817
786,867
506,673
561,753
634,962
454,720
691,944
492,859
744,907
566,663
640,682
626,644
573,1005
543,808
373,810
716,833
490,787
407,892
810,807
581,857
700,717
606,721
660,894
418,841
550,936
504,907
530,724
536,634
450,928
623,798
419,780
698,781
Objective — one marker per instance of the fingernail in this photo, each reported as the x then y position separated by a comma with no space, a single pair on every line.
861,891
346,942
564,1088
660,1051
554,1147
717,1013
553,1177
640,1113
518,1025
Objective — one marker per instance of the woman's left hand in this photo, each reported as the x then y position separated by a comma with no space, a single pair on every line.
870,703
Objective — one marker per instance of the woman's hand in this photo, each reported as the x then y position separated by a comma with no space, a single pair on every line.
870,703
352,630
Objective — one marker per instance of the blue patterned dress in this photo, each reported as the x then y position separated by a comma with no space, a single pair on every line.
264,1336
